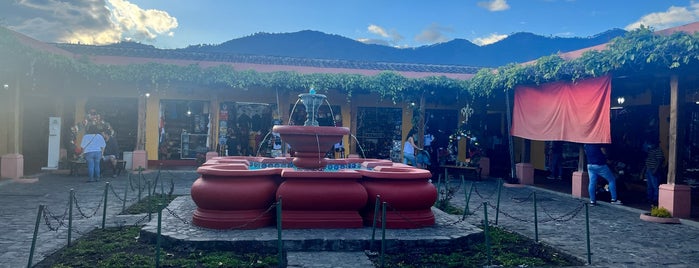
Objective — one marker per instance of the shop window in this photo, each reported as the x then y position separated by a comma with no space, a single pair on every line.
245,129
378,131
184,129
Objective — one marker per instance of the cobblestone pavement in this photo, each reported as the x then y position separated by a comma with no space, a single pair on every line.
20,201
618,238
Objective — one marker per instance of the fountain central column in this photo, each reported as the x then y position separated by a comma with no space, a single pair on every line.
311,197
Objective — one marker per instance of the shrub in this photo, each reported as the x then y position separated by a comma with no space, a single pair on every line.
660,212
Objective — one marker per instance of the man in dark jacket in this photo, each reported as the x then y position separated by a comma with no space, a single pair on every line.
597,167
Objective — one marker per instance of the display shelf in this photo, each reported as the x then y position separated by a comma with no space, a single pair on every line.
193,144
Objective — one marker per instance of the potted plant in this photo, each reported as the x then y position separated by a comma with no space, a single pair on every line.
659,215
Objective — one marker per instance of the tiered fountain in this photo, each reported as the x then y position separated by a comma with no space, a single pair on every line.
237,192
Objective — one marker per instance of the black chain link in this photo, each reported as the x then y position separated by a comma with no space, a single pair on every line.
568,216
111,187
522,200
475,188
141,220
83,214
47,220
509,215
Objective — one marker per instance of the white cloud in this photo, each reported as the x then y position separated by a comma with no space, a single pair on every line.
492,38
387,37
433,34
371,41
674,16
88,21
495,5
375,29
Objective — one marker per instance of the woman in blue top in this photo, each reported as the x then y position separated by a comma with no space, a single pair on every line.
93,145
409,149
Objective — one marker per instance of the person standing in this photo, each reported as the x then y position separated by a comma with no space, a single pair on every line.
409,149
93,145
654,161
555,158
111,152
597,167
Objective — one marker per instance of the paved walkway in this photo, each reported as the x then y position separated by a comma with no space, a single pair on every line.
618,237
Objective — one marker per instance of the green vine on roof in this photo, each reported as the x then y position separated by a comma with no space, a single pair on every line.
638,50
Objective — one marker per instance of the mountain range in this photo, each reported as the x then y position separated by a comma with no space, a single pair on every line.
516,48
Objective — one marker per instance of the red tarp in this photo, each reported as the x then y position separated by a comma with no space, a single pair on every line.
576,112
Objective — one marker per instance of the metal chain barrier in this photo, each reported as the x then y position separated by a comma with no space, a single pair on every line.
528,198
85,215
568,216
47,220
111,187
475,188
509,215
141,220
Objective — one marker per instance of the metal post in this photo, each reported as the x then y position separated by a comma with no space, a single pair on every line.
70,214
439,190
536,222
487,235
157,239
497,207
373,224
104,208
36,231
587,231
467,196
140,169
383,232
280,243
123,204
149,199
162,188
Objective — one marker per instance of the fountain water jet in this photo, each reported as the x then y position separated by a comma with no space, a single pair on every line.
312,197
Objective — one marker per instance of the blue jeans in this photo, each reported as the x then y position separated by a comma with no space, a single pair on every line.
651,186
93,164
603,171
409,158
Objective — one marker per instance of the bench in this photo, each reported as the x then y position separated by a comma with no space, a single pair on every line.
464,170
80,164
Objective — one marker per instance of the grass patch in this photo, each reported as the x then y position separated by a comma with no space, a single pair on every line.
508,250
120,247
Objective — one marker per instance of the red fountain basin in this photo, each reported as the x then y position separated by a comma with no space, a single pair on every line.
408,194
316,199
229,196
310,143
232,196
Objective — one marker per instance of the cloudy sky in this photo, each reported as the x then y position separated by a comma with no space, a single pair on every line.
399,23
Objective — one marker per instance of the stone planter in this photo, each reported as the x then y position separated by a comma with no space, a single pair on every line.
647,217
